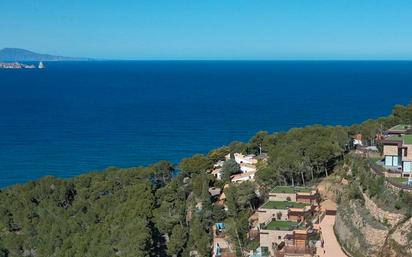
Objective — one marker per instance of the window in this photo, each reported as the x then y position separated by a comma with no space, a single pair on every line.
407,167
395,161
388,160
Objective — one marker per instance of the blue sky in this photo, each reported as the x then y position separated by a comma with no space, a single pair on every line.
211,29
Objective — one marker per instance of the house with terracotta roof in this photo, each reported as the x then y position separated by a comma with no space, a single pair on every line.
246,167
241,177
217,173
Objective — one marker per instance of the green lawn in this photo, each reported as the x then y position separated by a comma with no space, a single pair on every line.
290,189
283,205
407,139
284,225
395,138
399,127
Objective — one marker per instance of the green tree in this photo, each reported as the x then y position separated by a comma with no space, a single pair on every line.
229,167
171,210
162,172
197,164
200,238
259,142
219,153
177,240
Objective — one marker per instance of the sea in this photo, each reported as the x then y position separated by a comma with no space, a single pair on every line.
77,117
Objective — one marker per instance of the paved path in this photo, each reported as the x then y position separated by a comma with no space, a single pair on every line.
331,246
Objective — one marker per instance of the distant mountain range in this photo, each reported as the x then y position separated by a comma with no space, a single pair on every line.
17,54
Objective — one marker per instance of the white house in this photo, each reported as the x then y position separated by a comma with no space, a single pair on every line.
218,164
217,173
245,167
240,158
243,177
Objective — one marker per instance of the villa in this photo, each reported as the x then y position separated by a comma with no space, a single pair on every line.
247,167
247,164
282,221
397,151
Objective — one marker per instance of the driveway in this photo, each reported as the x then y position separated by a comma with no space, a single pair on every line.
331,245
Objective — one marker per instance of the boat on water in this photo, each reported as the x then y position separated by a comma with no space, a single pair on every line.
41,65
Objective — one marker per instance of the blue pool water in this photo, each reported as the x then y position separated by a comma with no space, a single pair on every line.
73,117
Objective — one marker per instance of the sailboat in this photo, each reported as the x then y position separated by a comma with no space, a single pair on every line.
41,65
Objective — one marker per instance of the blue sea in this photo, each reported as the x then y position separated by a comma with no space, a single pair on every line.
76,117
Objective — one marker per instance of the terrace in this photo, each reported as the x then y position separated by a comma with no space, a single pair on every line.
406,139
398,129
283,225
283,205
291,190
395,138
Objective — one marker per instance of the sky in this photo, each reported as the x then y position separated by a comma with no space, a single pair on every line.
210,29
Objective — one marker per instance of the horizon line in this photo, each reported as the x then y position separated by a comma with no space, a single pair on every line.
223,60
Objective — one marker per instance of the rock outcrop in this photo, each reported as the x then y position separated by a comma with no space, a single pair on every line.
359,232
364,229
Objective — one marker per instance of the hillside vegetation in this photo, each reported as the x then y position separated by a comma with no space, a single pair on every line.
149,211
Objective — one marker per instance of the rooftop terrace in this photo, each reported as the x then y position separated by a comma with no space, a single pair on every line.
283,205
284,225
406,139
400,127
291,190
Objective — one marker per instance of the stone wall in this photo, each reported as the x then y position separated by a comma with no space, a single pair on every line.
381,215
357,231
282,197
400,244
397,189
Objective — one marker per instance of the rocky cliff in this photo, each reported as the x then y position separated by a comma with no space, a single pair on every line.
358,232
364,229
373,218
